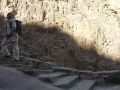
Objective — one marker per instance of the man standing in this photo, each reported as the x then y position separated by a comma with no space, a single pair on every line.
11,38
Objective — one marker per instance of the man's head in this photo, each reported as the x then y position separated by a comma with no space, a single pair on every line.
10,15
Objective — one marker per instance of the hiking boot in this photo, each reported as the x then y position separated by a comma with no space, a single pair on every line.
7,56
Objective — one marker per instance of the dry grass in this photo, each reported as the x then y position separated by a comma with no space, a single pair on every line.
51,44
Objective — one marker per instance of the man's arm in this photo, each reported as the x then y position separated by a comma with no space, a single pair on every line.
12,27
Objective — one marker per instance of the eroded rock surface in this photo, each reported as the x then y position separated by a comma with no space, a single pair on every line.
93,24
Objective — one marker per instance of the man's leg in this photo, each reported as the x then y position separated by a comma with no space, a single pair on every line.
15,50
4,45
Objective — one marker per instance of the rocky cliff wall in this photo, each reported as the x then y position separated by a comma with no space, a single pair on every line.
94,24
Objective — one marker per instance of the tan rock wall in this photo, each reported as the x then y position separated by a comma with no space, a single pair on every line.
93,23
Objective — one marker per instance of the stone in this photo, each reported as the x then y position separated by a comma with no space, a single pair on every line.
84,85
72,73
34,60
107,87
65,26
64,69
95,75
52,77
37,72
30,62
47,65
100,81
105,76
86,77
66,82
1,54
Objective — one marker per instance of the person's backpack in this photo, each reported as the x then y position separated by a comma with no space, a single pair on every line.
18,27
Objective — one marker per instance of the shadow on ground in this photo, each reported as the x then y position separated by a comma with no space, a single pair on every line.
49,43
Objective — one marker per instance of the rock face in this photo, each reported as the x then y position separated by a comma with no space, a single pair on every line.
93,24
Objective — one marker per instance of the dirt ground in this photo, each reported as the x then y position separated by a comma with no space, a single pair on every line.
11,79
